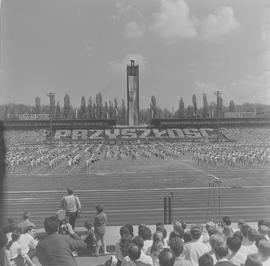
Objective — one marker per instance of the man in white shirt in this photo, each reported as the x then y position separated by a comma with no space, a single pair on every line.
235,257
196,248
28,242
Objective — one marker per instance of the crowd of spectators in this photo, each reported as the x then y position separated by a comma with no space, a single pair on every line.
184,245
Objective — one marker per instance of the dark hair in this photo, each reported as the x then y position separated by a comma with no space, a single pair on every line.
196,232
26,215
29,228
263,222
145,233
14,237
130,229
3,239
234,243
159,224
252,234
51,225
221,251
206,260
99,208
134,252
253,260
244,229
163,231
226,220
176,245
138,240
187,237
87,225
239,235
70,190
258,239
124,244
166,257
124,231
173,235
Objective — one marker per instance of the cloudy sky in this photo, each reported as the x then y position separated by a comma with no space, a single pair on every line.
81,47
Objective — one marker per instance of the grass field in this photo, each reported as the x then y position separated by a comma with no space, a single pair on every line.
133,190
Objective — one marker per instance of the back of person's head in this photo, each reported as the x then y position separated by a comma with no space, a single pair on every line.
3,240
187,237
177,227
26,215
252,234
258,239
239,235
99,208
176,245
244,229
216,240
88,225
145,233
70,191
130,229
196,232
226,220
51,225
253,260
221,251
134,252
124,244
174,234
234,243
124,231
206,260
158,236
163,231
264,248
138,240
166,257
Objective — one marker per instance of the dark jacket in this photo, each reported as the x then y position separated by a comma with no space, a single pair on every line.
56,250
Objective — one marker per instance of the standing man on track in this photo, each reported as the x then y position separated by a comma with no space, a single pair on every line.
72,206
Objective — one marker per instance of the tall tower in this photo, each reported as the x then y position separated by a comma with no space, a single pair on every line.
132,94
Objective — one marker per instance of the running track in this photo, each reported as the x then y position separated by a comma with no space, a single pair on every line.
133,193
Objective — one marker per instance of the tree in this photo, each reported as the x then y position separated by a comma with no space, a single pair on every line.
53,105
90,110
58,111
111,110
232,106
99,106
190,111
181,108
67,113
195,108
116,111
219,106
106,110
82,112
205,111
37,105
153,107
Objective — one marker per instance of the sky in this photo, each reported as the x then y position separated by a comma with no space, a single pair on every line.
183,47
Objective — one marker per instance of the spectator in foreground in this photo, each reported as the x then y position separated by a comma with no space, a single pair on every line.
166,257
264,252
72,206
138,240
23,225
121,249
221,253
195,248
235,257
253,260
206,260
227,230
90,238
177,247
56,249
145,233
100,222
215,241
4,254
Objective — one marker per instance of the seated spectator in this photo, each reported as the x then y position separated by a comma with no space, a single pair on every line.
253,260
166,257
157,239
4,253
264,230
196,248
28,242
122,249
130,229
244,231
221,253
90,238
15,250
206,260
164,235
248,242
22,226
264,252
56,249
177,246
178,231
145,233
235,257
214,241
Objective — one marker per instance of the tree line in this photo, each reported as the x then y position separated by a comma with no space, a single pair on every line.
96,108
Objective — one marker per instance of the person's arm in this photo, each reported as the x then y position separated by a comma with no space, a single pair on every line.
78,204
75,241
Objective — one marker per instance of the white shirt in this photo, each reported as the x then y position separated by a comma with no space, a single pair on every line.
27,242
